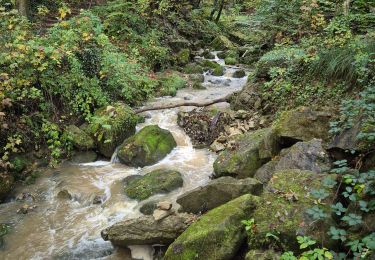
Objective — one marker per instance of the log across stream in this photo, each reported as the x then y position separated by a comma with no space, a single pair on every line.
68,227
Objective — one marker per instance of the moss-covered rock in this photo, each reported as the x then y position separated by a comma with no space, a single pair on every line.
239,74
158,181
148,146
169,83
230,61
111,126
209,65
80,139
282,211
205,198
196,78
252,151
303,124
221,43
217,234
219,71
6,185
193,68
183,57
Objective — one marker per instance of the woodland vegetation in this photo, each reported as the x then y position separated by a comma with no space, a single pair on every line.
61,61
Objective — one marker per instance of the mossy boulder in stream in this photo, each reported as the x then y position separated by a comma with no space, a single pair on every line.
158,181
251,151
183,57
147,147
111,126
206,198
80,139
221,43
230,61
6,185
217,234
193,68
282,211
303,124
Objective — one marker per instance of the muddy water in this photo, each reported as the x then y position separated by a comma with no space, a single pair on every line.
70,228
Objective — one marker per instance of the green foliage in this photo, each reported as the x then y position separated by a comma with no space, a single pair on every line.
312,253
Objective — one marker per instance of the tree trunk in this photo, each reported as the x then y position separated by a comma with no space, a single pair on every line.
220,11
23,7
346,7
214,9
184,104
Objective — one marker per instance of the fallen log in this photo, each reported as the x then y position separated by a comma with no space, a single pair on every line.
183,104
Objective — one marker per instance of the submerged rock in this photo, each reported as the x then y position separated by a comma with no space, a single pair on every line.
303,124
217,234
251,150
216,193
113,125
80,139
6,185
147,147
158,181
282,210
146,230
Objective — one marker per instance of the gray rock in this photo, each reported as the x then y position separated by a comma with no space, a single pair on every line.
309,156
265,173
216,193
84,157
148,208
146,230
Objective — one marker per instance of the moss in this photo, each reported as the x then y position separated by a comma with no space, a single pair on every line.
230,61
217,234
183,57
159,181
253,150
283,212
80,139
170,83
219,71
207,64
303,123
221,43
111,126
147,147
197,85
193,68
239,74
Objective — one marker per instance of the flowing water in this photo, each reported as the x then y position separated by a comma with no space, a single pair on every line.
61,228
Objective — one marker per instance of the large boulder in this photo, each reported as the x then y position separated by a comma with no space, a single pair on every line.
146,230
282,210
80,139
217,234
158,181
221,43
206,198
251,151
6,185
147,147
308,156
111,126
303,124
249,98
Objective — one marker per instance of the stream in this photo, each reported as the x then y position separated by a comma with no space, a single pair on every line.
70,229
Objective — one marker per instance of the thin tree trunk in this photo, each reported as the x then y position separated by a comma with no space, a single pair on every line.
220,11
184,104
23,7
214,9
346,7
